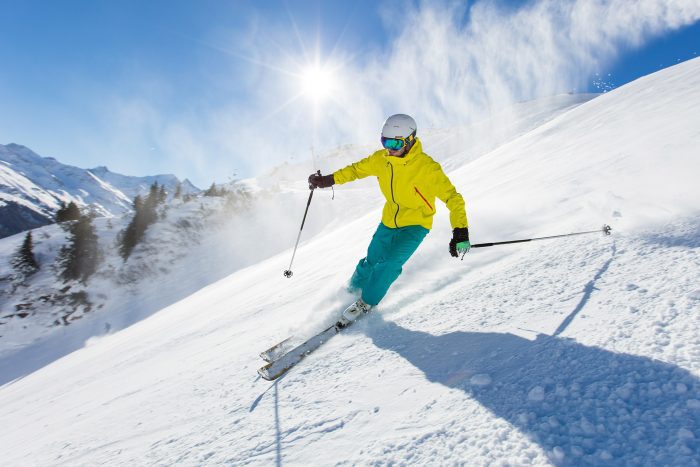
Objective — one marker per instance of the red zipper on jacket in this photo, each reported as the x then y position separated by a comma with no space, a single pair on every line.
421,195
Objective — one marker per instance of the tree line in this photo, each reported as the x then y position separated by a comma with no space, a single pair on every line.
80,257
145,214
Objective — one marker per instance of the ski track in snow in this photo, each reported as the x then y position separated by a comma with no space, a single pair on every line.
582,351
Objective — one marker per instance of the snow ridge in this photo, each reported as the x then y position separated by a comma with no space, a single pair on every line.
32,189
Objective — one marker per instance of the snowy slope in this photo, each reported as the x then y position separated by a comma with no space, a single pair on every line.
32,189
576,351
177,253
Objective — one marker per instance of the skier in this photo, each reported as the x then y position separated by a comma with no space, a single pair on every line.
410,180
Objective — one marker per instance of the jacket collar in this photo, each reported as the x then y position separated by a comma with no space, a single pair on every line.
416,149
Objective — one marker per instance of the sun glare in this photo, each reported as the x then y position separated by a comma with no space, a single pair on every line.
317,82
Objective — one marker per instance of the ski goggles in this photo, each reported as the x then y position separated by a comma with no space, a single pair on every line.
396,143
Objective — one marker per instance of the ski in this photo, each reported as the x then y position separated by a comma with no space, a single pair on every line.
286,362
277,350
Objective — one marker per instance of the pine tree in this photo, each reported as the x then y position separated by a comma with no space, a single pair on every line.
80,258
24,261
162,195
178,191
68,213
212,191
133,232
145,214
152,202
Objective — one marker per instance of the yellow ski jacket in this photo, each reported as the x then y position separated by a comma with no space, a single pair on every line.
410,185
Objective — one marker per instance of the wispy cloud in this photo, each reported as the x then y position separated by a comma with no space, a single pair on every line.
447,64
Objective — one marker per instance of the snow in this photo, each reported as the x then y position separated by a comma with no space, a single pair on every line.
575,351
41,184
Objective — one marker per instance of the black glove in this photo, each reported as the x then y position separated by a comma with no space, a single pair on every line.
459,235
320,181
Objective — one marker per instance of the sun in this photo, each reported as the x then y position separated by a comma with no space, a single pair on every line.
317,82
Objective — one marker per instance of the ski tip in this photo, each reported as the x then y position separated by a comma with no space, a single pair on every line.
267,375
264,374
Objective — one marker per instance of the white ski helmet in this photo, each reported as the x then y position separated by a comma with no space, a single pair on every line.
399,126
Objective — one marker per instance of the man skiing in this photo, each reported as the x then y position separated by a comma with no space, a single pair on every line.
410,181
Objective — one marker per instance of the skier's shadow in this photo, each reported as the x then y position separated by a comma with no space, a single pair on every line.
581,404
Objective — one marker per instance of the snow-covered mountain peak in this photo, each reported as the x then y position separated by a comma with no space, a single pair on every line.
33,187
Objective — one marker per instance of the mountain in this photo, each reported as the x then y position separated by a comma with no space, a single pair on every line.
577,351
32,188
132,186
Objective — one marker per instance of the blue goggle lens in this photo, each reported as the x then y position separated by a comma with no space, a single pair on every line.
393,143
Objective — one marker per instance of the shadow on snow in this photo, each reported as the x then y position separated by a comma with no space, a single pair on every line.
581,404
685,234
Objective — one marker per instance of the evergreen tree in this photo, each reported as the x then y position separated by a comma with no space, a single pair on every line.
178,191
212,191
138,202
24,261
152,202
162,195
133,232
145,214
80,258
68,213
153,192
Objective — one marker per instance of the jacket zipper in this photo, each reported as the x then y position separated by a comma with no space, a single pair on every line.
421,195
391,185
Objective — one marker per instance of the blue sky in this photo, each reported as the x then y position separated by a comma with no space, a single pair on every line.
210,89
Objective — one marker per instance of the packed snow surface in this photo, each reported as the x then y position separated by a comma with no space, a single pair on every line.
567,352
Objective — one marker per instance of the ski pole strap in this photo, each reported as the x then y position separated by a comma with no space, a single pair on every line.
606,230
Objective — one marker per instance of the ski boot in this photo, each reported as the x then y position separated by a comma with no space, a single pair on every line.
352,312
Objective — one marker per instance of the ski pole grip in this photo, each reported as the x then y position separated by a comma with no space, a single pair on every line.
311,187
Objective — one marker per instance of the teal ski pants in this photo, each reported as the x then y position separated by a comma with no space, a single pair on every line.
386,255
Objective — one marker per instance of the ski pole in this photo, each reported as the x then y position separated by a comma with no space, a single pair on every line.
288,273
606,231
